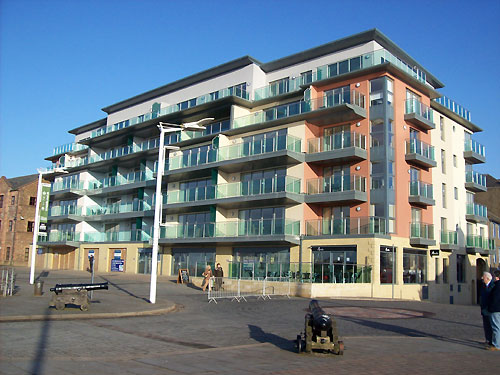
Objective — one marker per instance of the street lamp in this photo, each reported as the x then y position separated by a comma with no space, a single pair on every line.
165,128
37,218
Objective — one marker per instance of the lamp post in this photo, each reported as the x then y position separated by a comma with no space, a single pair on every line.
37,219
165,128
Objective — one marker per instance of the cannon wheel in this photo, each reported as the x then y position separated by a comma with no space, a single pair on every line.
299,343
84,307
60,305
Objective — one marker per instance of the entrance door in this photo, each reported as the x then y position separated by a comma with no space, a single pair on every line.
476,292
144,264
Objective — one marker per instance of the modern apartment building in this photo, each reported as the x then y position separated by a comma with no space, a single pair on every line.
341,166
491,199
17,218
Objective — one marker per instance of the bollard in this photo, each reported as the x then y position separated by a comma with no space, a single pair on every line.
38,288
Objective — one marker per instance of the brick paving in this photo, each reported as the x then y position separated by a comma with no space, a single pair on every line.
380,336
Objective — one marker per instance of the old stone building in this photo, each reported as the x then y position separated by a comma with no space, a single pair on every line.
17,217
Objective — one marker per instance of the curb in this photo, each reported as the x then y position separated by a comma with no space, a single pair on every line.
31,318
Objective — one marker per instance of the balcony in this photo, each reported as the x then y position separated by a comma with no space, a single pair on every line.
338,189
340,148
476,213
422,234
351,226
69,148
64,213
238,194
474,152
109,183
329,109
449,240
421,193
123,236
67,188
96,212
419,114
420,154
478,244
60,238
259,230
242,156
454,107
475,181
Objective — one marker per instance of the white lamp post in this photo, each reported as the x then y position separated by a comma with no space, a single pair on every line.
37,219
165,128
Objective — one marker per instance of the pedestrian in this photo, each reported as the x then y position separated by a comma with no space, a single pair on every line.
494,310
207,275
219,274
483,303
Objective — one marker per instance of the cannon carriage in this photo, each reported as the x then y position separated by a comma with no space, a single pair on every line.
320,332
75,294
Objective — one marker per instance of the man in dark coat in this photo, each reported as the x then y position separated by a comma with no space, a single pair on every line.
483,303
494,310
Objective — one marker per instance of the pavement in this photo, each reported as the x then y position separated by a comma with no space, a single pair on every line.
182,333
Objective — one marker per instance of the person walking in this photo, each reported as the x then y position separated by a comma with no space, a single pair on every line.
207,275
494,310
483,303
219,274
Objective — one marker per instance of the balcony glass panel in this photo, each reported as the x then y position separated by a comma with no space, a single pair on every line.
346,226
449,237
421,189
421,230
476,209
419,108
336,184
414,146
472,145
476,178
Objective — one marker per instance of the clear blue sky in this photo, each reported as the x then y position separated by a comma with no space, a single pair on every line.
61,61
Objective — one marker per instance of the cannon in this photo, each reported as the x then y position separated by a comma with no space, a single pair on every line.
320,332
76,294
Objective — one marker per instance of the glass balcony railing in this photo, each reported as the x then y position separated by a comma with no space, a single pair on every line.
69,147
297,108
336,142
415,146
472,145
65,210
335,184
346,226
240,228
480,242
207,98
284,86
454,107
240,150
196,194
118,208
421,189
421,230
449,237
119,180
60,236
476,178
65,185
477,210
419,108
123,236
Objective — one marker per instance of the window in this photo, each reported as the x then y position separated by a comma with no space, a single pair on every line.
443,161
445,271
31,225
11,225
279,87
12,200
32,201
441,127
443,194
7,254
26,254
306,77
456,193
1,201
460,268
387,263
455,161
414,266
436,270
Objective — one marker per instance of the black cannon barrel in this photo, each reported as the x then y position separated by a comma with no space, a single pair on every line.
321,320
60,287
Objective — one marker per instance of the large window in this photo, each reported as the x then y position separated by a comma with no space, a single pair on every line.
195,260
191,191
257,263
461,268
414,266
333,264
387,264
262,221
263,182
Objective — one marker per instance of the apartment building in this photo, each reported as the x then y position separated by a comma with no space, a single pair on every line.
17,218
324,167
491,199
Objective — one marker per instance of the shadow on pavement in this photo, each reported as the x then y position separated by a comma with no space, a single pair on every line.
410,332
124,290
38,361
259,335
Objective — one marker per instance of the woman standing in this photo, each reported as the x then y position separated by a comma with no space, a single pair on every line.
207,275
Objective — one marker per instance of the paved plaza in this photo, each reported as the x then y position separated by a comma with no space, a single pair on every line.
184,334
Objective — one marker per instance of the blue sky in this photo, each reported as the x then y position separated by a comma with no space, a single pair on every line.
61,61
